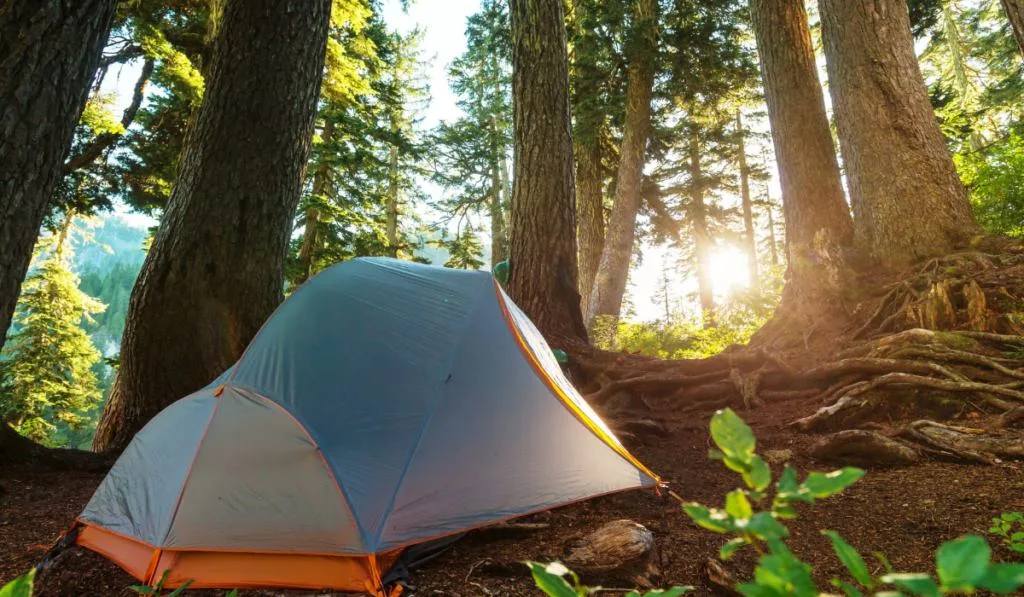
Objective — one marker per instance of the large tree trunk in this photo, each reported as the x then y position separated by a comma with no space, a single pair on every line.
215,270
750,239
1015,12
48,54
907,200
701,235
610,282
542,239
817,219
771,236
590,207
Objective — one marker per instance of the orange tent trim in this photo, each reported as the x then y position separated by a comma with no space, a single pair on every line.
208,569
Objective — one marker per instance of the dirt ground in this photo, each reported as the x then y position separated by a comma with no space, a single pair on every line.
905,513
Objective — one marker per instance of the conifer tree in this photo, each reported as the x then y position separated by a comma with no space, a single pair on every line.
471,153
47,382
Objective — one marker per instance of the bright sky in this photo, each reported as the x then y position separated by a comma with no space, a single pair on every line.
443,26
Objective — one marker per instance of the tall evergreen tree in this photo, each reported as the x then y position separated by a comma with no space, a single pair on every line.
613,268
49,52
47,382
896,159
471,152
542,239
216,267
817,219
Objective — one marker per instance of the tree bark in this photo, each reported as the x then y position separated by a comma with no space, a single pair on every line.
701,236
907,199
542,239
613,270
391,224
49,52
590,207
771,235
750,239
1015,12
499,246
817,219
215,269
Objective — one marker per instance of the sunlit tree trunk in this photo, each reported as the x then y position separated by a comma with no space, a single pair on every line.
1015,12
818,223
907,199
215,271
542,243
613,269
701,235
49,52
771,236
749,238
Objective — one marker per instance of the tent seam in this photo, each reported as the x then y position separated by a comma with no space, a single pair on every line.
188,475
327,465
423,430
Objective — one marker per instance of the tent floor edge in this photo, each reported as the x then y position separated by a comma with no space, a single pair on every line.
227,569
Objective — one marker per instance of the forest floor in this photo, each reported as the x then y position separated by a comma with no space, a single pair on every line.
904,512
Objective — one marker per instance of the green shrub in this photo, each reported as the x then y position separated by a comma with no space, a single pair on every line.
1010,528
553,580
19,587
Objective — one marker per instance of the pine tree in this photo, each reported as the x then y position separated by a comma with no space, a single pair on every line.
47,382
896,159
215,271
49,53
542,232
471,152
613,268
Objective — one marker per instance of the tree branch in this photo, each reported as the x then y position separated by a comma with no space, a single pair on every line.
95,148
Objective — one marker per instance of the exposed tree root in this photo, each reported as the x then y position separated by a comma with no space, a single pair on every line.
947,338
16,449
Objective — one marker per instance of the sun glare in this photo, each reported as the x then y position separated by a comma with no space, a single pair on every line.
728,271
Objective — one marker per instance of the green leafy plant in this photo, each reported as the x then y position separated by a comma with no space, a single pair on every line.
1010,528
554,580
963,565
19,587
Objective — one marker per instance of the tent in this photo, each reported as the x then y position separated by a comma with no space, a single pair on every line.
384,404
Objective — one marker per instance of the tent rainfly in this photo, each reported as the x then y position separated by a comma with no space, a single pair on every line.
385,404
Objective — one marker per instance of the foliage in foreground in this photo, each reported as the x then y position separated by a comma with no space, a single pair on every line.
963,565
1009,527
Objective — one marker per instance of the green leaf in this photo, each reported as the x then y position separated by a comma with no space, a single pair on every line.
758,476
784,511
764,526
732,436
730,548
789,490
737,504
823,485
710,519
549,579
1003,579
961,563
784,572
848,589
750,589
21,586
851,559
142,589
918,584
